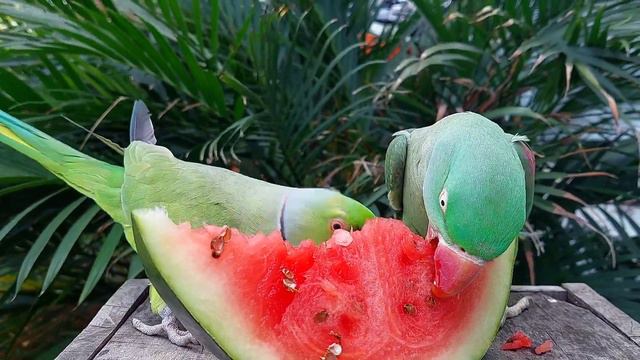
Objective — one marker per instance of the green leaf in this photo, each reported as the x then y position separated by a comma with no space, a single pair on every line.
135,267
177,15
543,175
69,239
516,111
11,224
590,79
197,22
41,242
27,185
102,260
14,164
126,6
542,189
380,192
213,26
18,89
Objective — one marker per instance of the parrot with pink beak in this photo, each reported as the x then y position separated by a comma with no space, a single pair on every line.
467,186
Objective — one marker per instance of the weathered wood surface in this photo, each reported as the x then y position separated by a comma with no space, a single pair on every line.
571,316
128,343
112,316
584,296
577,333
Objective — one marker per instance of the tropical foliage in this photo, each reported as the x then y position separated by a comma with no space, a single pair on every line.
288,91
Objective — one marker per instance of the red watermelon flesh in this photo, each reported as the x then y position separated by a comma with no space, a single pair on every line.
260,297
518,341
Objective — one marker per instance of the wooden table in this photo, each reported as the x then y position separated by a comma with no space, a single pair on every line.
581,323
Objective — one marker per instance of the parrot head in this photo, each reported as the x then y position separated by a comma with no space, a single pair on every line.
316,213
475,198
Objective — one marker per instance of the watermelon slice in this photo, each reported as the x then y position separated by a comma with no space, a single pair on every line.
544,348
361,295
518,341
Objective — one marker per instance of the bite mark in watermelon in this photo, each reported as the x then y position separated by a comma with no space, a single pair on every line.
260,297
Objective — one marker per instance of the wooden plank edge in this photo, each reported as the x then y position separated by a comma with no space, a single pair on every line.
134,306
584,296
553,291
120,297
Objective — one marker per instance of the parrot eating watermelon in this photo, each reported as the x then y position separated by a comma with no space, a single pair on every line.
364,294
249,284
466,182
152,176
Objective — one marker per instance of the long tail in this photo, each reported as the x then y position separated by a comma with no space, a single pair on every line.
94,178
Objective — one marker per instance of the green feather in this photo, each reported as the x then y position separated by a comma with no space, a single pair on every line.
91,177
190,192
476,164
197,193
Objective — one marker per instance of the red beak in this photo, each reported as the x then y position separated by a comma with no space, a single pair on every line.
454,270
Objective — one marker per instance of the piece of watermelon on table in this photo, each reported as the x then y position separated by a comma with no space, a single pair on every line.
368,297
518,341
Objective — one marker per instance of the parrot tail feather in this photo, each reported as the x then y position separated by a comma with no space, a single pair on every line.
141,127
94,178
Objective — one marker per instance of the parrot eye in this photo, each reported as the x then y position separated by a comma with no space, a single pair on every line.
337,224
443,200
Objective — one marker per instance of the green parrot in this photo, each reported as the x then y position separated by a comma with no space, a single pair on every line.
191,192
465,184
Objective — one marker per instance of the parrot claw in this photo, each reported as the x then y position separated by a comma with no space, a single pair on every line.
169,326
516,309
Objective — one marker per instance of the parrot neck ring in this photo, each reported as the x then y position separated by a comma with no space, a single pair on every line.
454,268
281,218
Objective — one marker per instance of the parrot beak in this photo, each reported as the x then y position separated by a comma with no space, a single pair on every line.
454,269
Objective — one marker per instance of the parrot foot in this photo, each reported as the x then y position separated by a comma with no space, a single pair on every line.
516,309
169,326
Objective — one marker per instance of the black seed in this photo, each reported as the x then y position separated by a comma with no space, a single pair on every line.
409,309
217,245
321,317
430,300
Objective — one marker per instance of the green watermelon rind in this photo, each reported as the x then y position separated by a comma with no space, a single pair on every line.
174,303
154,232
507,259
152,228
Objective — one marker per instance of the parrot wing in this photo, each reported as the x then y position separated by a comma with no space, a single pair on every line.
197,193
394,168
406,162
528,161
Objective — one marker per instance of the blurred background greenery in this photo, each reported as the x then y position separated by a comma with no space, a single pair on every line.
288,91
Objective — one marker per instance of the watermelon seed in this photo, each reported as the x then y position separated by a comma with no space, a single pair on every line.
287,273
430,300
218,241
290,284
321,317
335,349
409,309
